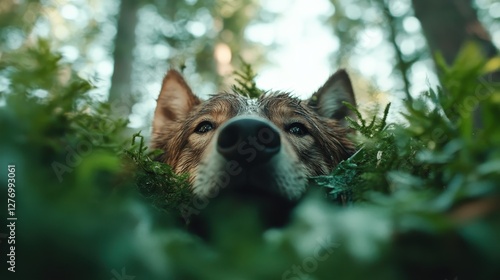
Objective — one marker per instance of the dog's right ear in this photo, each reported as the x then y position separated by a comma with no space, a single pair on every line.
328,100
175,101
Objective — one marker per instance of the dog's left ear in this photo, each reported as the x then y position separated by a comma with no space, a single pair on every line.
327,101
175,101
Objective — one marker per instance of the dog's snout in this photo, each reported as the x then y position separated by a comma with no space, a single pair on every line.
248,140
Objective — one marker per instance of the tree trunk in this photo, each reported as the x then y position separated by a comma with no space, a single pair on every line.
448,24
120,94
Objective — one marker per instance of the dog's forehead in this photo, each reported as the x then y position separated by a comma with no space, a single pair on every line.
252,106
235,104
269,104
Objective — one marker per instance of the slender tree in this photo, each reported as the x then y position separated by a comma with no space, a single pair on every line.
120,93
174,28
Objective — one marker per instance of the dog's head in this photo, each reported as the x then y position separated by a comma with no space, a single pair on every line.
264,146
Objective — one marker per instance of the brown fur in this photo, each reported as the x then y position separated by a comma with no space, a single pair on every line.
179,112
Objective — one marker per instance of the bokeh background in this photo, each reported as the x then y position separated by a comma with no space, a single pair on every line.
125,47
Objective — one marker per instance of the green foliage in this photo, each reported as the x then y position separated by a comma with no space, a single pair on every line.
438,142
156,180
427,170
69,177
422,194
245,80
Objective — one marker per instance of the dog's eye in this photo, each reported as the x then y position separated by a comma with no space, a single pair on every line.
297,129
204,127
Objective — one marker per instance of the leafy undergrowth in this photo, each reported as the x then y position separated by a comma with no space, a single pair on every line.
422,196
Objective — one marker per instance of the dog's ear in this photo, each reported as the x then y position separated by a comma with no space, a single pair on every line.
175,101
328,100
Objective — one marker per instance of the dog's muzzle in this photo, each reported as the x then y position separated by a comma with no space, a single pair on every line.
251,146
248,140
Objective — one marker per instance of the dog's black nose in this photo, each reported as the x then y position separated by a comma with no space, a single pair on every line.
248,140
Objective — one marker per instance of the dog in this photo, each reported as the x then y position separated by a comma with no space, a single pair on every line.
263,147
